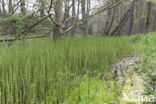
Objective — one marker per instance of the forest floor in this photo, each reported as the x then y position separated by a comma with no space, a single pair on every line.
132,84
135,74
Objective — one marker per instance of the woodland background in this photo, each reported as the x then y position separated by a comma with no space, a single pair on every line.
59,18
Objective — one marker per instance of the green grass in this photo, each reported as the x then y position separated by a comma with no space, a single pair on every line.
72,70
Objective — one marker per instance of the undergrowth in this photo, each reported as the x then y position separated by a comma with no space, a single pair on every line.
146,66
72,70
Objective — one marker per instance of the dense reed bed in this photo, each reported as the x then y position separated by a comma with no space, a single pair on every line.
70,71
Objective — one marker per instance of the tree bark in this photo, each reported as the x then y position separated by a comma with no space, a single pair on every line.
109,23
23,9
109,13
10,6
99,17
149,5
66,15
73,17
78,13
130,30
42,7
124,19
58,30
83,9
0,9
3,8
85,15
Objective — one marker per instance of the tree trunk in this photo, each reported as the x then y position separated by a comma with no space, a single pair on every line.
99,17
10,6
0,9
66,15
23,9
109,12
58,30
149,5
42,7
110,24
118,28
3,8
87,17
78,13
73,16
83,7
130,30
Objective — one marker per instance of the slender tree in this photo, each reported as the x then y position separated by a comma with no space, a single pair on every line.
0,9
149,7
42,8
83,9
10,7
87,17
73,16
23,8
78,13
3,8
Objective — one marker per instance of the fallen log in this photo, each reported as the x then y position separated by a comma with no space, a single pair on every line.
35,37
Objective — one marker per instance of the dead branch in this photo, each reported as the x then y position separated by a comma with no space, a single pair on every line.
11,40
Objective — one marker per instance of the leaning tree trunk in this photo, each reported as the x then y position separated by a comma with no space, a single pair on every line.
58,30
124,19
110,20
